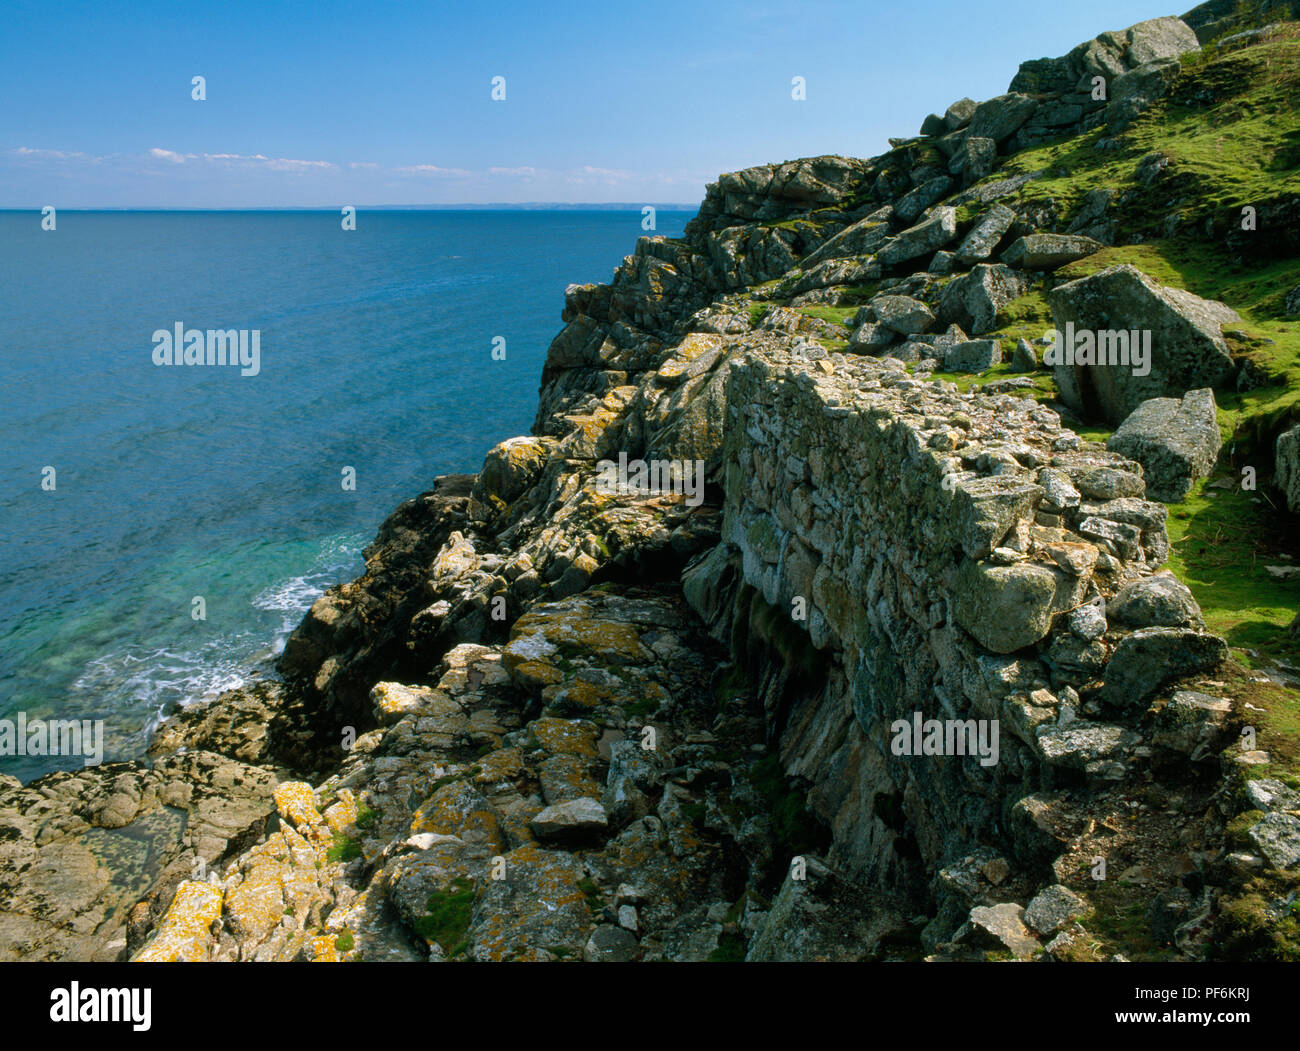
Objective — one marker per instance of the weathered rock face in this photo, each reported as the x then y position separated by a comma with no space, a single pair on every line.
820,917
1176,442
463,829
81,849
1187,349
1287,459
1108,55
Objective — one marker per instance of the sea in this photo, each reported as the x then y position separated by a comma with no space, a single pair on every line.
163,528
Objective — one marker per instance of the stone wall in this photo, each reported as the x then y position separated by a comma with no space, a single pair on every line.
944,553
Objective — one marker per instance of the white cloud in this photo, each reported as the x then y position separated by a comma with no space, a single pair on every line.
431,170
29,153
279,164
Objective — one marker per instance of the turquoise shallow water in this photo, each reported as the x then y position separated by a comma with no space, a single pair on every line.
174,482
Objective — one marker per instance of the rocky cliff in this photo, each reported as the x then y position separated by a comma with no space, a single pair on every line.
908,678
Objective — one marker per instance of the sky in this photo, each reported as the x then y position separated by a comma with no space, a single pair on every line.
324,104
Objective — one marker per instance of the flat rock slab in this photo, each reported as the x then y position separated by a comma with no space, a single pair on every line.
573,819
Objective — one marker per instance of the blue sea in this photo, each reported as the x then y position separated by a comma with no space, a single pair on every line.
174,483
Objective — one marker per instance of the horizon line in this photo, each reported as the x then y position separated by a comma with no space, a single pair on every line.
463,206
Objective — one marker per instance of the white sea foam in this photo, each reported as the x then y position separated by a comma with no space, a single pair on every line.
143,686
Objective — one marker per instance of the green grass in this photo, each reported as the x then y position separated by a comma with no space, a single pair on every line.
1118,922
1239,148
1043,386
833,345
1027,317
449,913
1220,542
343,848
591,891
1251,930
835,315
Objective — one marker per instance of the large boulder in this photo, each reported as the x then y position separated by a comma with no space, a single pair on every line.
1025,358
974,157
1136,340
1155,39
1176,442
573,819
973,355
768,191
1052,909
918,200
973,300
1192,723
862,238
984,236
1287,459
512,466
1049,251
1277,837
1005,608
902,314
921,239
1000,118
1134,91
958,115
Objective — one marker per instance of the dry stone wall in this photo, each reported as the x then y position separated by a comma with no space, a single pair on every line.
943,554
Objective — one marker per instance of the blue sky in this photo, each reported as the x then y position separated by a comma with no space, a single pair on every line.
325,103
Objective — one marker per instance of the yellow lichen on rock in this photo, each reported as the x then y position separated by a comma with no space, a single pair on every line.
323,949
295,801
341,816
566,736
183,935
